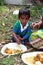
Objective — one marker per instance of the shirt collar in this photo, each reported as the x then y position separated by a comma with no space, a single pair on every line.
23,28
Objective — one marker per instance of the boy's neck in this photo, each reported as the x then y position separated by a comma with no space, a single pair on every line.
23,25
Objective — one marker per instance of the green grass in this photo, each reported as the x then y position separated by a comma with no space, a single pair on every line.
8,21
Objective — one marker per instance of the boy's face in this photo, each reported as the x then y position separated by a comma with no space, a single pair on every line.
24,19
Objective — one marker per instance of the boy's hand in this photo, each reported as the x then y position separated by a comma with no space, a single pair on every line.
35,25
18,41
21,39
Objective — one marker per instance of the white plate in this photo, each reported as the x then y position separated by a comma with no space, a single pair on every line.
13,46
27,55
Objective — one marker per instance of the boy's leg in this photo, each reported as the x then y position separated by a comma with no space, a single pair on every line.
25,41
13,40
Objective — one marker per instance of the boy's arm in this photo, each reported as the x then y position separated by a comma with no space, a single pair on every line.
16,38
15,30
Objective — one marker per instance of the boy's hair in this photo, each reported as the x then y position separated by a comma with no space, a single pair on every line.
24,11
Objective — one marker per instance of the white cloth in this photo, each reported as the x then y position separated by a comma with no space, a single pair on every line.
23,28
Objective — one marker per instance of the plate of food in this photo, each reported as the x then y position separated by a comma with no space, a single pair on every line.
13,48
33,58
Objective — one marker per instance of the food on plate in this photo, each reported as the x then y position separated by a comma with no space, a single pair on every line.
12,51
38,63
8,51
17,50
35,60
39,57
29,60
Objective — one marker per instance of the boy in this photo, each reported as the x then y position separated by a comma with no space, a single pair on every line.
22,29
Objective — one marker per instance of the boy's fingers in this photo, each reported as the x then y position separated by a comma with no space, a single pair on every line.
18,42
32,25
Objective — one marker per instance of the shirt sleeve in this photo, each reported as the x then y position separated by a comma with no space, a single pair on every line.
27,34
15,27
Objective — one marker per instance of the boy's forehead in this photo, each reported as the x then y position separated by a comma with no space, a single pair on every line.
24,15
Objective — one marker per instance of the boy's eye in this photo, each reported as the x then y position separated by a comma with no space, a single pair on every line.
24,18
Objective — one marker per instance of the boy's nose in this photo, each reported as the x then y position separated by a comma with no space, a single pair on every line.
24,20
